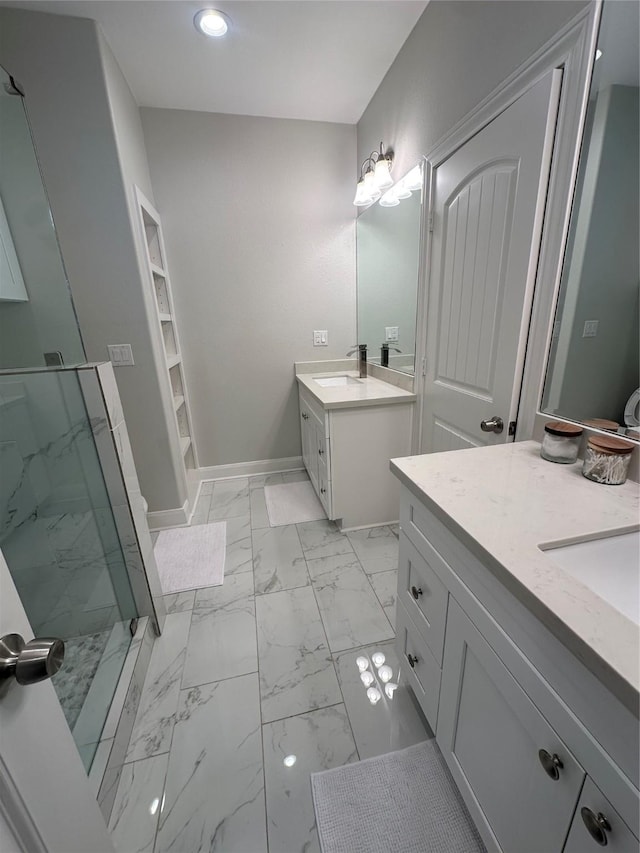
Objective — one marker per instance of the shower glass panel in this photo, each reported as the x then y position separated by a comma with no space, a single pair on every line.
58,536
36,310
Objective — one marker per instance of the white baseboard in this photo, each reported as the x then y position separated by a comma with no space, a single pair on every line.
168,517
250,469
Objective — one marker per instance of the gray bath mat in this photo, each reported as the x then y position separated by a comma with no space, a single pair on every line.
405,802
191,557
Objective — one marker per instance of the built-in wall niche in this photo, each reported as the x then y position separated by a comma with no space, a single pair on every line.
163,302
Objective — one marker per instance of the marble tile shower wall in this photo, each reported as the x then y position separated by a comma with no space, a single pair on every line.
254,684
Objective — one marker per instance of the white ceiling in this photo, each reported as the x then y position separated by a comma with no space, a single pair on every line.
305,59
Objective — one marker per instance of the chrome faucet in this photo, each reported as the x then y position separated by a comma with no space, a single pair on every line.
384,354
361,349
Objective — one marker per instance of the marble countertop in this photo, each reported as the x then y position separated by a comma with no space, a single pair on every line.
368,392
504,502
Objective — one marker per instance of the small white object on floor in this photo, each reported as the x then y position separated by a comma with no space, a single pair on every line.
292,503
405,801
191,557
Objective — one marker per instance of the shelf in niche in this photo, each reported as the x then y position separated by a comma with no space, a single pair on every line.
156,270
165,318
178,401
173,360
185,443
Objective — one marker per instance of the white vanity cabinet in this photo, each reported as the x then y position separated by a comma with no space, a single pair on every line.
530,735
346,451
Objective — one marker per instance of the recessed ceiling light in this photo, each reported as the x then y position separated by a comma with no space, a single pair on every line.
212,23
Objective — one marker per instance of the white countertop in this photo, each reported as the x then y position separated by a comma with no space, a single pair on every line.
368,392
503,502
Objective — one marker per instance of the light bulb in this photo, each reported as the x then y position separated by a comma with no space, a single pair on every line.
390,688
385,673
374,695
362,663
383,173
370,186
367,678
289,760
378,658
210,22
362,196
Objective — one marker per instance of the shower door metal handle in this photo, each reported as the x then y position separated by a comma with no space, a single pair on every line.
30,662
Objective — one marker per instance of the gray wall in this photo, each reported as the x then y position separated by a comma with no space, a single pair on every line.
76,100
457,53
259,229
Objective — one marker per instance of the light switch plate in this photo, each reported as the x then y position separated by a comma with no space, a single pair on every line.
590,329
321,338
391,333
120,355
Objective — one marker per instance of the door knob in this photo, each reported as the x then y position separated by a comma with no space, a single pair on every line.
597,825
29,662
494,424
551,763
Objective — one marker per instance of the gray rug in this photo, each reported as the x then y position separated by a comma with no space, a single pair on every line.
402,802
191,557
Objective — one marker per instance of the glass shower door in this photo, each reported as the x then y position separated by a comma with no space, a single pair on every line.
59,539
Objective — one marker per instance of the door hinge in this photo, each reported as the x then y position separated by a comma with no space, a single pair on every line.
512,427
424,366
431,222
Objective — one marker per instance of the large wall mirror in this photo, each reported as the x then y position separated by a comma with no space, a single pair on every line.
388,254
593,370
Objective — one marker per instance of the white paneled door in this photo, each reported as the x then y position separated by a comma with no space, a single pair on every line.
46,804
488,202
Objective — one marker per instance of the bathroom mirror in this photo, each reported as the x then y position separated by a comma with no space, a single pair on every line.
593,369
388,247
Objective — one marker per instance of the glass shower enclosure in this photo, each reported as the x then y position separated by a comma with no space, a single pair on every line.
57,529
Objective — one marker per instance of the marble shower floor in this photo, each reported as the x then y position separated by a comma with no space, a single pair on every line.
254,685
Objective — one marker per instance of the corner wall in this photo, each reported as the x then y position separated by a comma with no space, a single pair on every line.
87,135
260,235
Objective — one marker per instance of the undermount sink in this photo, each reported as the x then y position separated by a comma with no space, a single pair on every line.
609,567
335,381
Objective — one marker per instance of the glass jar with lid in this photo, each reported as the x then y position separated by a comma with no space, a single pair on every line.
607,459
561,442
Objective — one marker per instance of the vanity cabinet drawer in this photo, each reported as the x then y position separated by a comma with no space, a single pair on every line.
518,778
418,665
310,407
423,595
597,824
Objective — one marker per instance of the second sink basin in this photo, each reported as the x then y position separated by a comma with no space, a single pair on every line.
609,567
335,381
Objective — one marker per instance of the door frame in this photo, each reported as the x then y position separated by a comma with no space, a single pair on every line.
570,51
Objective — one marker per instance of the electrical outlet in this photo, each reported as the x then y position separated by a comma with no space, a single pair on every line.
590,329
391,333
120,355
321,338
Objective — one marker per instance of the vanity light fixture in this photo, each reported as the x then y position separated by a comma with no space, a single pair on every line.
375,178
411,182
211,23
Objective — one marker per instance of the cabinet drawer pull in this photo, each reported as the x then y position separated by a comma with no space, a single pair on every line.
416,592
551,763
320,451
597,825
323,491
412,660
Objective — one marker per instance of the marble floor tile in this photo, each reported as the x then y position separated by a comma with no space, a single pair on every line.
392,723
155,718
222,639
317,741
377,548
322,539
230,498
238,554
259,514
351,613
177,602
296,671
214,792
206,487
278,561
259,481
136,809
385,585
295,476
